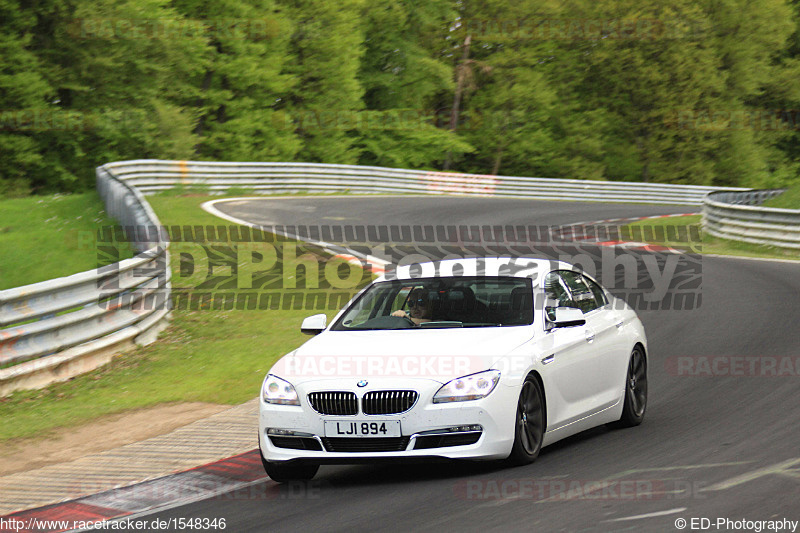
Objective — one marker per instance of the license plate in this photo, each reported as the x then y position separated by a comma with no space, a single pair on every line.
362,428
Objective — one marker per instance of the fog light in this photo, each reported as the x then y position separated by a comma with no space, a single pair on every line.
287,432
461,429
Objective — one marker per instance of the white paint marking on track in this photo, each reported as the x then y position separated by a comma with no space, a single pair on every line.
784,468
378,264
648,515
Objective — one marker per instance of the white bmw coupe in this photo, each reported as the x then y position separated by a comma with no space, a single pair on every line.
483,358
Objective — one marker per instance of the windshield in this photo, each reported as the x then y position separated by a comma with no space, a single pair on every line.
441,303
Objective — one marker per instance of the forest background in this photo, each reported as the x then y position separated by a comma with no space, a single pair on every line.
696,92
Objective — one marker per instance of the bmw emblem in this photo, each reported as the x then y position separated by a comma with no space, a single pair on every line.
362,383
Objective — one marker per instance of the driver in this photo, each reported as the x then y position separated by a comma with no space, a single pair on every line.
419,307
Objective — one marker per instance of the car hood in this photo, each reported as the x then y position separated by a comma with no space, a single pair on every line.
437,354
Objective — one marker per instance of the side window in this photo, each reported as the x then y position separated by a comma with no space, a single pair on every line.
555,288
599,294
582,295
570,289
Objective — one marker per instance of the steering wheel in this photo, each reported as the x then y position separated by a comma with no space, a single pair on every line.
408,318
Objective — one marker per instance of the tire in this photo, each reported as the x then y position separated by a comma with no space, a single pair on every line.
529,424
285,472
635,390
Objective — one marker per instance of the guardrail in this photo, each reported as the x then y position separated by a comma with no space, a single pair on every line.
737,216
149,176
56,329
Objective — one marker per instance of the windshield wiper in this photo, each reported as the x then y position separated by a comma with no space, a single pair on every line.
442,324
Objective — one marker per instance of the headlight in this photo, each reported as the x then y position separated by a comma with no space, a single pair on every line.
472,387
280,391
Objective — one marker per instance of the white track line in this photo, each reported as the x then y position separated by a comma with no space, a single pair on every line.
648,515
378,265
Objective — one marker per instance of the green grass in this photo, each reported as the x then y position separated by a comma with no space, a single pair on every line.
788,200
206,355
707,244
45,237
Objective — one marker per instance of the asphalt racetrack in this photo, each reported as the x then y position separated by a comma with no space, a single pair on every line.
720,440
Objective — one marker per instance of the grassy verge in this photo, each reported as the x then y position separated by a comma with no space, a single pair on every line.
207,355
690,225
788,200
45,237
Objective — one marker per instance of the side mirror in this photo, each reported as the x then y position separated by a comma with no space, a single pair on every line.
313,325
567,317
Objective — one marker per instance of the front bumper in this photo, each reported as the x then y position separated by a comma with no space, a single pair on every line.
426,429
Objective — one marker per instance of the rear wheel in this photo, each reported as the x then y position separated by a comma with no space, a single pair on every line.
635,390
529,427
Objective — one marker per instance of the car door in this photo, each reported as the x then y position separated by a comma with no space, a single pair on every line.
600,333
609,343
570,360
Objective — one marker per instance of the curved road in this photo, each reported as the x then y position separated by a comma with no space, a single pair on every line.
712,445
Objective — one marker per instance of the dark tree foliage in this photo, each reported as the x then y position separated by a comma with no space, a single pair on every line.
687,91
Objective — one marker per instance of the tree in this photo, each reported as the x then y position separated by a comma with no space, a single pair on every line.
242,81
116,69
325,49
523,113
404,75
23,97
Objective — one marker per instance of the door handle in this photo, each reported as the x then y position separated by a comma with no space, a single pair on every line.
619,324
589,336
